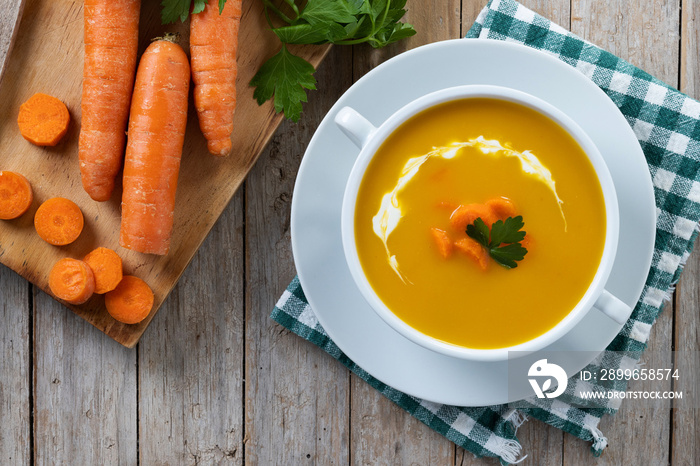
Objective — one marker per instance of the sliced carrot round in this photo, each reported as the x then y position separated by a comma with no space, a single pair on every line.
15,195
131,301
466,214
72,281
43,120
58,221
442,241
107,267
502,207
474,251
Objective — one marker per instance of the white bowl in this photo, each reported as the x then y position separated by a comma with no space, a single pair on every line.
369,138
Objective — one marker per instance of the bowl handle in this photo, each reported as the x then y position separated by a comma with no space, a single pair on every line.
356,127
613,307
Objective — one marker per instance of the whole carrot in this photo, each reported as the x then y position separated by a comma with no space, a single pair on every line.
111,42
156,134
213,47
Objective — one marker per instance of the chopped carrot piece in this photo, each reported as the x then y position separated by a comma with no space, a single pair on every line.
443,242
466,214
43,120
15,195
502,207
72,281
58,221
107,267
131,301
474,251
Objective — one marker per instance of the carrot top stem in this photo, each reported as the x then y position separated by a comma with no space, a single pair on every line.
173,37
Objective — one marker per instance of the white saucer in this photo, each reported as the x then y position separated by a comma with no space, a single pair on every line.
318,193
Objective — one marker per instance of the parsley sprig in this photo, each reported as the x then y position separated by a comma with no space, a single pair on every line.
342,22
507,233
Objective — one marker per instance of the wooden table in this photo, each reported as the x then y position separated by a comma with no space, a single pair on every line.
214,380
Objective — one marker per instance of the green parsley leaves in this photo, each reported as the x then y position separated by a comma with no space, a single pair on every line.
342,22
286,76
180,9
508,233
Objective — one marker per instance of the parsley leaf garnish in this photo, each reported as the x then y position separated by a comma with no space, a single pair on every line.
508,233
479,231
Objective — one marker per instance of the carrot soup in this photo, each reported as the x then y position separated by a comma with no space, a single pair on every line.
449,203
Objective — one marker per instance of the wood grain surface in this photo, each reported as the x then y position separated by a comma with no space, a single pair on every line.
48,57
215,381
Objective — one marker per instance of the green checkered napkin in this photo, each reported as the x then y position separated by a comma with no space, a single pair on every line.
667,125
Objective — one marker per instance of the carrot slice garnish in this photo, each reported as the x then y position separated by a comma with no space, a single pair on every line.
466,214
474,251
502,207
442,241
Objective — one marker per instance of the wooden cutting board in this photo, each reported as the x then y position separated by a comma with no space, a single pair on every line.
48,57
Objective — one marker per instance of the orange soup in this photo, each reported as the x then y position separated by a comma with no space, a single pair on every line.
498,159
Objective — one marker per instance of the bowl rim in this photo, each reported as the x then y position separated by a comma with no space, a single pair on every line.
429,100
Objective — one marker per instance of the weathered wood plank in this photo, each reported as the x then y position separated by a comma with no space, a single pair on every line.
85,391
685,436
382,433
15,369
646,33
296,396
191,359
685,439
639,433
470,10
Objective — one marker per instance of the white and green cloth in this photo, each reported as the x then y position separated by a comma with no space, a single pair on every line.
667,125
